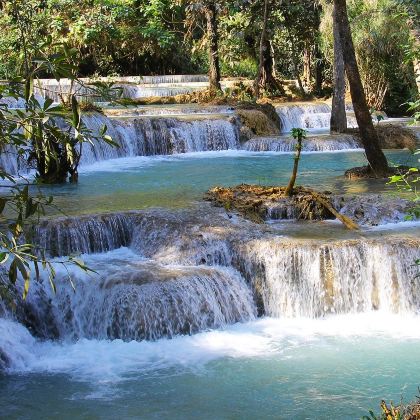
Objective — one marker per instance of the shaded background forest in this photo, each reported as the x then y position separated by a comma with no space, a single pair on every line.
148,37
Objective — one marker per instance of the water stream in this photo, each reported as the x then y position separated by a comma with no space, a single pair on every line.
195,313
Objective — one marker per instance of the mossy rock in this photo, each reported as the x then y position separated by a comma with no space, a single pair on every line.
261,119
393,136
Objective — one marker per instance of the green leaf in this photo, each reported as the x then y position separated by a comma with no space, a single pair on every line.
13,272
4,256
75,107
3,202
29,88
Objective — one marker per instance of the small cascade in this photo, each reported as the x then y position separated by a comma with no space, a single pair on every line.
20,103
10,161
145,91
149,301
170,78
310,144
310,115
344,277
16,345
34,311
148,136
90,234
170,110
305,115
132,87
158,136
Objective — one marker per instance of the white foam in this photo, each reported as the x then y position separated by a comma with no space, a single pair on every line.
110,361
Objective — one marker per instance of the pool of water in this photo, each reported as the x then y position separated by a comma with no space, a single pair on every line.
339,367
177,181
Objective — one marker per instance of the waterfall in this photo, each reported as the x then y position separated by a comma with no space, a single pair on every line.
310,144
149,301
158,136
145,91
162,273
311,115
13,103
10,161
132,87
171,78
90,234
307,280
16,344
170,110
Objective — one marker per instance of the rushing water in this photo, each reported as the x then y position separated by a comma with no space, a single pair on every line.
339,367
142,132
337,362
196,314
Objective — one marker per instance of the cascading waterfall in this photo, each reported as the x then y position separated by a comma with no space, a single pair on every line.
308,116
144,300
310,144
132,87
86,235
160,274
10,160
13,103
343,277
149,135
296,279
158,136
170,110
145,91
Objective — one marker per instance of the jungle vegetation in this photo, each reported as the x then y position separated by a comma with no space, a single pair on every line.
370,46
268,41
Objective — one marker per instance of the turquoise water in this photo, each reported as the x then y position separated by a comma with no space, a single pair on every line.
176,181
338,367
334,368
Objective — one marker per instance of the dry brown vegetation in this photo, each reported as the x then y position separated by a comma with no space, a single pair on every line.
253,202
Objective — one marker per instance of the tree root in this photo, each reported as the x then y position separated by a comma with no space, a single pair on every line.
254,203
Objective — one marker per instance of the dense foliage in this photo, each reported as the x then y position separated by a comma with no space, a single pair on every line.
139,37
284,38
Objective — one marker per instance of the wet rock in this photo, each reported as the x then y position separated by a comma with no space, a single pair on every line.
366,172
393,136
4,361
262,120
374,209
35,312
259,203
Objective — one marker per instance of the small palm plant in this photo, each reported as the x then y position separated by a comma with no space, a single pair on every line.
298,134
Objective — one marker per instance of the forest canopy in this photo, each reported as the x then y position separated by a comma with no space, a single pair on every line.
147,37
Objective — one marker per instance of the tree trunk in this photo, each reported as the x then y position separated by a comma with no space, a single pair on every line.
319,70
415,35
265,79
260,82
291,185
307,64
338,112
213,39
319,59
376,158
